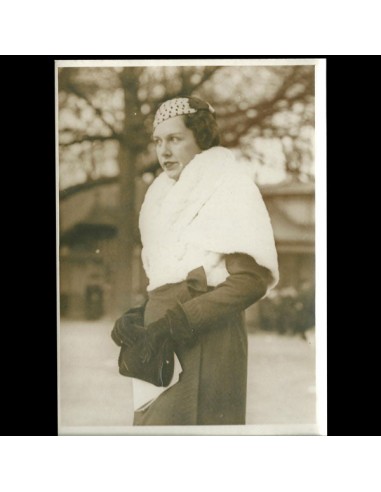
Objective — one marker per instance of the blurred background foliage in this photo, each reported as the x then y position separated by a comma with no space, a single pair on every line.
105,115
266,113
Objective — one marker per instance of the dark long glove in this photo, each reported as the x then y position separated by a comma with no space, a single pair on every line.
246,284
129,327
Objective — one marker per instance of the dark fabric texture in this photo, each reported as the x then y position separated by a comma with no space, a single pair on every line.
212,386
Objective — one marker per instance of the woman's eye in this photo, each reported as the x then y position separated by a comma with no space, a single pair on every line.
174,139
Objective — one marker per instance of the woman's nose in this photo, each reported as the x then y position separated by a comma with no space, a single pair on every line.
165,150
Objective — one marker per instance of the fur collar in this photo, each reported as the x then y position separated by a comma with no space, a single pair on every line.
212,210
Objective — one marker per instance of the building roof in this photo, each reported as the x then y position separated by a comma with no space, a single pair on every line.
288,187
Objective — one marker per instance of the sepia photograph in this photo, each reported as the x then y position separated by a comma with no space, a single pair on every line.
187,253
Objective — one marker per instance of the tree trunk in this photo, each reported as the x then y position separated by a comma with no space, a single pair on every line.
126,221
127,213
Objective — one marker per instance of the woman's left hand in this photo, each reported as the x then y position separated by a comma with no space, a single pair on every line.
127,330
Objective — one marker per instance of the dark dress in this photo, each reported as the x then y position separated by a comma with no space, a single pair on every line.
212,387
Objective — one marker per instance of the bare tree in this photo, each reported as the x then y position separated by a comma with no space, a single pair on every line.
99,106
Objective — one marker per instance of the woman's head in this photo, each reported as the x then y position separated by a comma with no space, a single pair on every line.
183,127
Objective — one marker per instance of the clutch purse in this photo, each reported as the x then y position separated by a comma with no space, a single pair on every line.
159,369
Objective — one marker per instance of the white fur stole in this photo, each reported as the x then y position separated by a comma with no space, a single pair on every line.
213,209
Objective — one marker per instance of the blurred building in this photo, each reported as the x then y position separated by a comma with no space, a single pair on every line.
291,206
89,232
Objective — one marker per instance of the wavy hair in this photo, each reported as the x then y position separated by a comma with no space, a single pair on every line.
203,124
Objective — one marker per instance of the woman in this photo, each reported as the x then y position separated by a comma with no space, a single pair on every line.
209,253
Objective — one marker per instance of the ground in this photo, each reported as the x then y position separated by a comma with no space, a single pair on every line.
281,381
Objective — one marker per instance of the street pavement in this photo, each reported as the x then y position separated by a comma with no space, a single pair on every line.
92,393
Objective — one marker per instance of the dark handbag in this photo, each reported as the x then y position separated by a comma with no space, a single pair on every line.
159,369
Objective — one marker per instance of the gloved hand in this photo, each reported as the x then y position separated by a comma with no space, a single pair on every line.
129,327
173,326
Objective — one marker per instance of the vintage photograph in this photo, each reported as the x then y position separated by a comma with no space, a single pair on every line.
186,247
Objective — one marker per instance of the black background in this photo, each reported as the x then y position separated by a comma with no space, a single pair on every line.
29,344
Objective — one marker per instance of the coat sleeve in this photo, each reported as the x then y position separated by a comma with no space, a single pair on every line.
247,283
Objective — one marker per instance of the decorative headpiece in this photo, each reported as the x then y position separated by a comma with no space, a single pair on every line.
179,106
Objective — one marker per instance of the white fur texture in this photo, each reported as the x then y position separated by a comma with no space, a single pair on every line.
213,209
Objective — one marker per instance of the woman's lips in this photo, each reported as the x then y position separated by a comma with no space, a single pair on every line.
170,165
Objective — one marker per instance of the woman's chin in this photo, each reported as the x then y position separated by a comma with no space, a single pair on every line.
174,172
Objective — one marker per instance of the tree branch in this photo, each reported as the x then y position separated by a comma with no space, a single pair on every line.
208,72
266,109
97,110
293,78
89,138
187,87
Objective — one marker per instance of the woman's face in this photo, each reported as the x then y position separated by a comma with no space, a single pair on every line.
175,146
